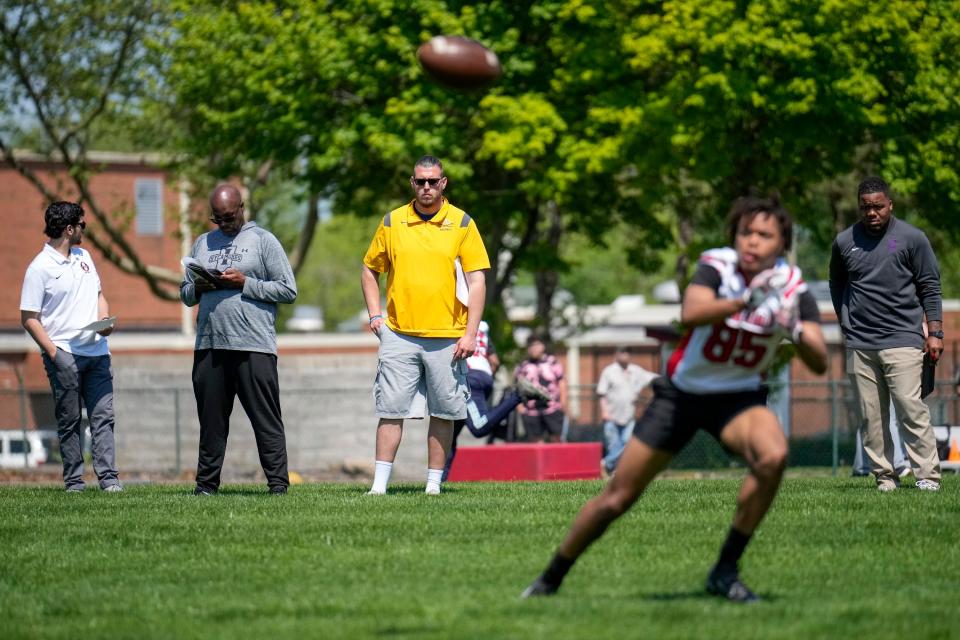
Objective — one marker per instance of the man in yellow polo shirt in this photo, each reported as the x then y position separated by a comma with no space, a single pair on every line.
430,325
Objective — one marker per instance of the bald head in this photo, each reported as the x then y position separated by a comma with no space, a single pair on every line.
225,196
226,209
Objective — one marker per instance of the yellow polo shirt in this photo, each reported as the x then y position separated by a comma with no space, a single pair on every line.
419,259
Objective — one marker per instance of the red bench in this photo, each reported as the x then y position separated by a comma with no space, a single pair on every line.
566,461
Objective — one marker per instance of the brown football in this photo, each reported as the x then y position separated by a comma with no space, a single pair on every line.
458,62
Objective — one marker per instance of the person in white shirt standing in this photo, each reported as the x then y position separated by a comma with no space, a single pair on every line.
619,389
61,296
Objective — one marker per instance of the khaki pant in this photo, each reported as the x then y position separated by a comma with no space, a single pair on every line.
882,375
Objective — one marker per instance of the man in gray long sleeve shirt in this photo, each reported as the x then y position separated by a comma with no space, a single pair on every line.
883,280
236,347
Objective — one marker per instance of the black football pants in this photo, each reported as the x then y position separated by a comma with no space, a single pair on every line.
219,375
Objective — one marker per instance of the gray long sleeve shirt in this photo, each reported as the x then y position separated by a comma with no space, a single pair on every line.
241,319
882,286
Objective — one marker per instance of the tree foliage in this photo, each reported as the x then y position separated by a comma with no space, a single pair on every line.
67,67
652,114
656,114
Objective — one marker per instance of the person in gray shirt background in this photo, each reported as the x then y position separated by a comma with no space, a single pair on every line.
884,280
236,346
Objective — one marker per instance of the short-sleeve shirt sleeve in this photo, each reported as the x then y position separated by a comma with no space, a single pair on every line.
809,311
473,255
31,296
604,385
376,257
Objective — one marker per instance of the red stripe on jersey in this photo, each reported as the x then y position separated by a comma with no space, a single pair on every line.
677,355
796,284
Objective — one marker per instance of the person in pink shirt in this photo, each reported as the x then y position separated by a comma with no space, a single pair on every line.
543,420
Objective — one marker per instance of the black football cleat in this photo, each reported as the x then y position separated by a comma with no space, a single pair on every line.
539,588
729,586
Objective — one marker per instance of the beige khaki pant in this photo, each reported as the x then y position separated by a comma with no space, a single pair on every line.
882,375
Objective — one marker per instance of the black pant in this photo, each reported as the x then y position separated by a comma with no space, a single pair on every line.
219,375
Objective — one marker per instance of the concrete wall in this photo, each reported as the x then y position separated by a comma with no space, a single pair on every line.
327,411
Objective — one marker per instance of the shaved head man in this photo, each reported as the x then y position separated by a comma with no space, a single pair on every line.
240,274
226,207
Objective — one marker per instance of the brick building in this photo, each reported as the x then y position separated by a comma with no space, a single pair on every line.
129,183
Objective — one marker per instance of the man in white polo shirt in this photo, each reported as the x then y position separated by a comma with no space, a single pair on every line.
61,297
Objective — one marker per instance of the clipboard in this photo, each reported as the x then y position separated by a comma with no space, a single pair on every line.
928,375
100,325
463,288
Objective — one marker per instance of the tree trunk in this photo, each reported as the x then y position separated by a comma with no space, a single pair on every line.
681,272
546,279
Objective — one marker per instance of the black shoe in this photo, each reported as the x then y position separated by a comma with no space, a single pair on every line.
529,390
539,588
200,491
728,585
278,491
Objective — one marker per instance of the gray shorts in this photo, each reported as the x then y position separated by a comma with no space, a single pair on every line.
417,377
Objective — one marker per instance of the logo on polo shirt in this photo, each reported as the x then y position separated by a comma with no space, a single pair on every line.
446,225
85,267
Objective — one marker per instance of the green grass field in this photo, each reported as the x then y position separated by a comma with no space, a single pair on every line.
835,559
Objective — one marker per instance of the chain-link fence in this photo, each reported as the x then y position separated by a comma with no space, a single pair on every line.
819,418
157,428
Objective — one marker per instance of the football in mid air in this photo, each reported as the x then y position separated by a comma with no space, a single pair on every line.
459,63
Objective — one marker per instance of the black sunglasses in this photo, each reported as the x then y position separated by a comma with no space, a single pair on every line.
431,181
81,224
218,219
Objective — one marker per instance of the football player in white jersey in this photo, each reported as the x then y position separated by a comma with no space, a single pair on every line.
739,306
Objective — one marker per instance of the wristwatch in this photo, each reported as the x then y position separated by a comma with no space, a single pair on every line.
937,334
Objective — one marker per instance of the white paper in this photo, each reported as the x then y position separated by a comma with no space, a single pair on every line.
100,325
463,289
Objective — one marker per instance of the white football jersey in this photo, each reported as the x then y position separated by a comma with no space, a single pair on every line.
733,355
478,361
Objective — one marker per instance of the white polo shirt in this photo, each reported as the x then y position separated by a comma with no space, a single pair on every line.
65,291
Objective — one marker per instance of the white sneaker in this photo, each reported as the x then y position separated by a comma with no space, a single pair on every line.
374,492
928,485
113,488
887,487
432,491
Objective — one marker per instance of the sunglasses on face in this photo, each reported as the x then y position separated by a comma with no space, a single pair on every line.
226,218
431,181
81,224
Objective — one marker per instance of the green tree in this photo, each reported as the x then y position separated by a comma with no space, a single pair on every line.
654,114
72,72
784,95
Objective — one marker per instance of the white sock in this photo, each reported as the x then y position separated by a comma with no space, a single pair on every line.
433,480
381,476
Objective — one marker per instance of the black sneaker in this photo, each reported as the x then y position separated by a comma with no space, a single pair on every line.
278,491
200,491
529,390
539,588
728,585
